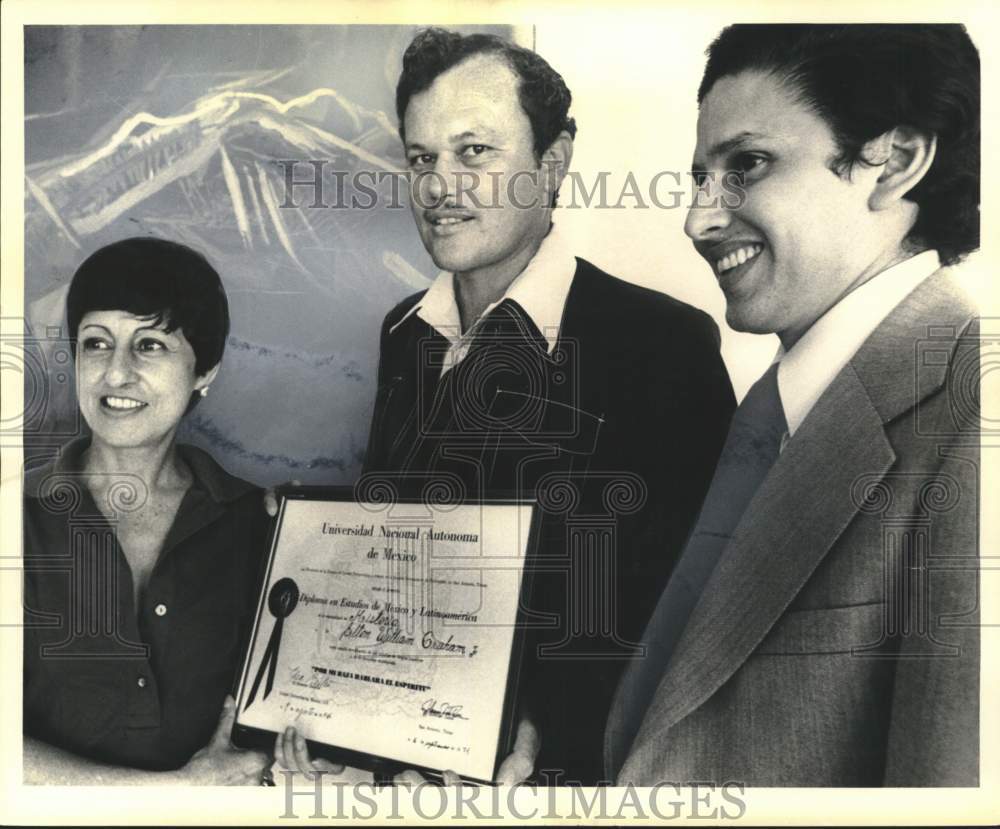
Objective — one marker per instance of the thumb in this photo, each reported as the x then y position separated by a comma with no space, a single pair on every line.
226,720
527,742
515,769
270,503
271,497
520,764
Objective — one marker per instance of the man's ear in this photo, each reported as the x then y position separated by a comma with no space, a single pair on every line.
910,155
556,159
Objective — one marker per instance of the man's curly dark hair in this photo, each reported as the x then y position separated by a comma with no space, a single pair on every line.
543,94
864,80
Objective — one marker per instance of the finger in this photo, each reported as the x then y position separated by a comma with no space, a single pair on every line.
527,741
287,751
516,768
322,764
271,497
288,748
520,764
279,750
302,759
450,778
225,726
509,773
408,778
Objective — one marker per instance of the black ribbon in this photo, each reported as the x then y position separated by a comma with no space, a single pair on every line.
281,602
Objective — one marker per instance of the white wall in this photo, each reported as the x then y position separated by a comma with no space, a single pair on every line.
634,85
634,79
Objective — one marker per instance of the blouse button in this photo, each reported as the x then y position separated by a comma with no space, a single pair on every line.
160,610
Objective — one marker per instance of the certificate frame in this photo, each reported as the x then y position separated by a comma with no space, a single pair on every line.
383,767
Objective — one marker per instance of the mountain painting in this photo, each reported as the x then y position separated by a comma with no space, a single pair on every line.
193,133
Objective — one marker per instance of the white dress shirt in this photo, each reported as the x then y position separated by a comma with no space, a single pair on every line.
540,289
807,369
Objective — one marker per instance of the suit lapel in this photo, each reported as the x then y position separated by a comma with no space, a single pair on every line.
583,355
802,507
408,396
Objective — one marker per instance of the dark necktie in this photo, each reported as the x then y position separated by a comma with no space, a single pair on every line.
752,446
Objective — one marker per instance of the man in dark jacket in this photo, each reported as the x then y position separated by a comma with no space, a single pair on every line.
524,370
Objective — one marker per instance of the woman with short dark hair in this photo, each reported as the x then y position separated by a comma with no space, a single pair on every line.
142,556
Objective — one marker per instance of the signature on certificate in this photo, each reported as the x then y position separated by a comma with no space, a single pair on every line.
443,710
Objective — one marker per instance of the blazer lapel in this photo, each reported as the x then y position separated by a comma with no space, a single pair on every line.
805,503
408,398
802,506
581,367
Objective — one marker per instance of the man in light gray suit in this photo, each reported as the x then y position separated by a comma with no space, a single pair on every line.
821,626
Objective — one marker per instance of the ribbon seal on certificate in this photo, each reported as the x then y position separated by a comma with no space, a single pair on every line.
281,602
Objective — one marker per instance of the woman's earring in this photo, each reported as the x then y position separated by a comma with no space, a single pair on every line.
203,391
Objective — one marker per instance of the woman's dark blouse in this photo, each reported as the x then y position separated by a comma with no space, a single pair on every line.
136,688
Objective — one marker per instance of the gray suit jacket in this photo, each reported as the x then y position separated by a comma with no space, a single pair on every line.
836,642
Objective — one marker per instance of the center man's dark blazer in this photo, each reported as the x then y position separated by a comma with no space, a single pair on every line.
617,433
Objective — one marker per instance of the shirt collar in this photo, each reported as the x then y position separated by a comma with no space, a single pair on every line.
807,369
540,289
220,486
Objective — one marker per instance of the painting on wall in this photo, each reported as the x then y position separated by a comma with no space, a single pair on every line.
193,134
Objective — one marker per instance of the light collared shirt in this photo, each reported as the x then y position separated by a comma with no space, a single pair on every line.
809,367
540,289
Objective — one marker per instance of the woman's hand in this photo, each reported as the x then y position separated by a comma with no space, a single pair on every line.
292,754
220,763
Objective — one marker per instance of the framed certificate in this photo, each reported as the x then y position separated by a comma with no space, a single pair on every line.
390,634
